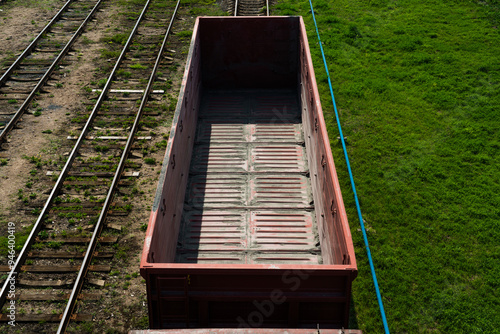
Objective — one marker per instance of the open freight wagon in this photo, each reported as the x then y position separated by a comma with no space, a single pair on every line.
248,227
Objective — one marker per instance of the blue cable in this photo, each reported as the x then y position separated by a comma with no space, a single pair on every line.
372,268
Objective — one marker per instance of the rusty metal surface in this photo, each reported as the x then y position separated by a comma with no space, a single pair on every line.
271,63
244,191
248,237
250,161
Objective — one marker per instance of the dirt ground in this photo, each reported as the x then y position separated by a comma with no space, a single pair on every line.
124,306
19,23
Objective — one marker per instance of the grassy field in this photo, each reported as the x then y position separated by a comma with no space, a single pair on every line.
417,84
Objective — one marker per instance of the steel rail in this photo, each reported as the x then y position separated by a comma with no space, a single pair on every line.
48,73
38,224
30,47
235,8
107,203
267,7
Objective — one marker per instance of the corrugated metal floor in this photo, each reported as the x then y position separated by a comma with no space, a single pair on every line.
249,195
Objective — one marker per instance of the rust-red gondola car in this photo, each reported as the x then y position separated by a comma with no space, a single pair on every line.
248,227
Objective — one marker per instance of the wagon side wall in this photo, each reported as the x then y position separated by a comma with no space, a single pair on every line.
333,228
164,224
234,56
215,298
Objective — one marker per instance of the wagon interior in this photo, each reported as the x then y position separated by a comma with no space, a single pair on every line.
248,176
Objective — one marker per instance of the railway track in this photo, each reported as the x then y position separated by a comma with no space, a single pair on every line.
25,76
61,259
248,7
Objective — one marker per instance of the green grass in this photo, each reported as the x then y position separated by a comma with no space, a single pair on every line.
124,74
21,236
150,161
185,34
417,84
108,54
138,66
120,38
